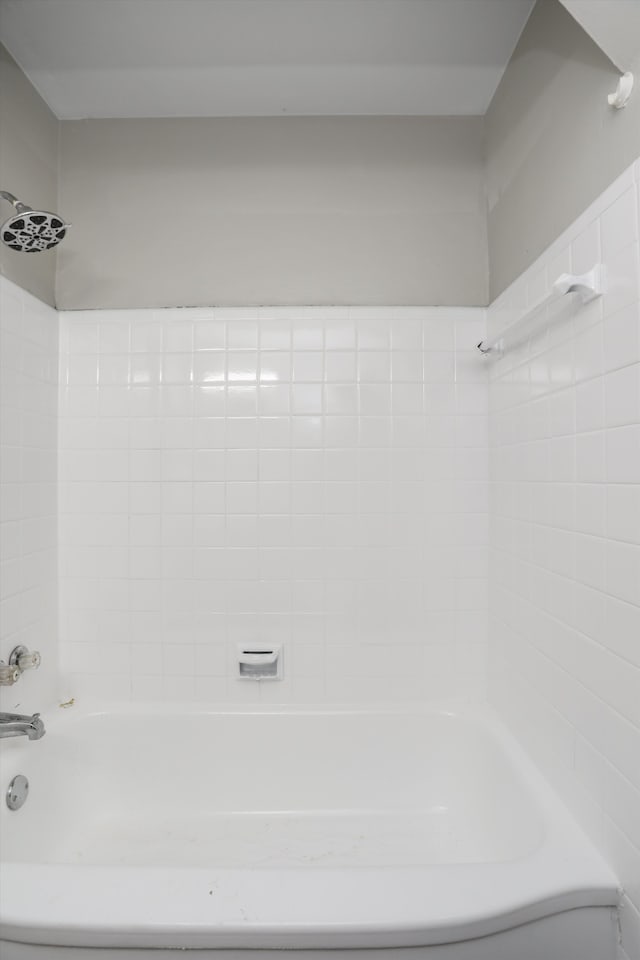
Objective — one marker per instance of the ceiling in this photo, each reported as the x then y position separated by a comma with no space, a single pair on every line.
189,58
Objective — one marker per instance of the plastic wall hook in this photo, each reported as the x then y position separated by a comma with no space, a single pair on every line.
620,98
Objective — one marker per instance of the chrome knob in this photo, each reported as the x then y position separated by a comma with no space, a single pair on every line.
24,659
8,674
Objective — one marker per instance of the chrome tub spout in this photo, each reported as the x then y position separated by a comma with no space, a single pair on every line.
19,725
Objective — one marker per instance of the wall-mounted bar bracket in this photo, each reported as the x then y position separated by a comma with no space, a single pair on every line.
588,286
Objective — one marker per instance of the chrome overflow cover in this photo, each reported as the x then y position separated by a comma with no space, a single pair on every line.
17,792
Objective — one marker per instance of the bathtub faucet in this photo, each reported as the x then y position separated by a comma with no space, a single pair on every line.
19,725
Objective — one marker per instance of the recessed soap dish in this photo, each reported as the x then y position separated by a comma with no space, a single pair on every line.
258,662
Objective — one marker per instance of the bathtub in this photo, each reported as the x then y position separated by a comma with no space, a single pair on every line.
417,833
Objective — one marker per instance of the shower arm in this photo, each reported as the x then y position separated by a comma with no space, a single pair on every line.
18,204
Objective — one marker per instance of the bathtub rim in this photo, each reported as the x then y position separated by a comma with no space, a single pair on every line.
565,873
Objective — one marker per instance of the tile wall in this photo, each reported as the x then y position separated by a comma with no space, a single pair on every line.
565,533
28,492
316,478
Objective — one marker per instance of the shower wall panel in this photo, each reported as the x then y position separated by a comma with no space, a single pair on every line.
310,477
565,522
28,492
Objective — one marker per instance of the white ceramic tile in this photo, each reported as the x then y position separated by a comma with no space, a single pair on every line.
590,509
591,457
81,333
307,335
623,629
82,370
28,481
622,396
623,512
114,335
374,366
373,332
622,337
308,366
619,224
589,353
275,334
146,337
623,454
566,565
590,405
178,334
623,571
339,335
242,334
296,484
623,278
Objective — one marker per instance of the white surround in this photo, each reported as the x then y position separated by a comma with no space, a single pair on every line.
565,521
565,447
28,490
310,477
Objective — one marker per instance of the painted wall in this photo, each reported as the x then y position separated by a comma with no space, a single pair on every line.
553,144
324,210
28,493
613,24
312,477
29,170
272,211
565,532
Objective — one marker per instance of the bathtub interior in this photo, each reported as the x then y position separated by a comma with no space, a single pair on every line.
269,789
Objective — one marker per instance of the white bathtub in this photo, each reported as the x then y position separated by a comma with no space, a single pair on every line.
225,831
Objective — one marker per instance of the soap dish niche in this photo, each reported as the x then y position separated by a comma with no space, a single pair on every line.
260,662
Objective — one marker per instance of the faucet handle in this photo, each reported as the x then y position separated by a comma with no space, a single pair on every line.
24,659
8,674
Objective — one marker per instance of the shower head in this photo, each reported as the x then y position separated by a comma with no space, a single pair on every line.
29,231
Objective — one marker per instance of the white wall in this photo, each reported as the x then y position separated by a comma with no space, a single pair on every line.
313,477
28,492
565,596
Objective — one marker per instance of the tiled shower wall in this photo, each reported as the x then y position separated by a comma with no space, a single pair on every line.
565,594
28,492
315,478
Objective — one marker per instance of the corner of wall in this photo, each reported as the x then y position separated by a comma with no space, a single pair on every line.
28,169
553,143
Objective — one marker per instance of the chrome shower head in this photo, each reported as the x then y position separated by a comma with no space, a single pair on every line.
29,231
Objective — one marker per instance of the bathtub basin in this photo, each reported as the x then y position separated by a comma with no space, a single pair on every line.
323,829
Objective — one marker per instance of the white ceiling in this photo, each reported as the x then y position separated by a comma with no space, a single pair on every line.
159,58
